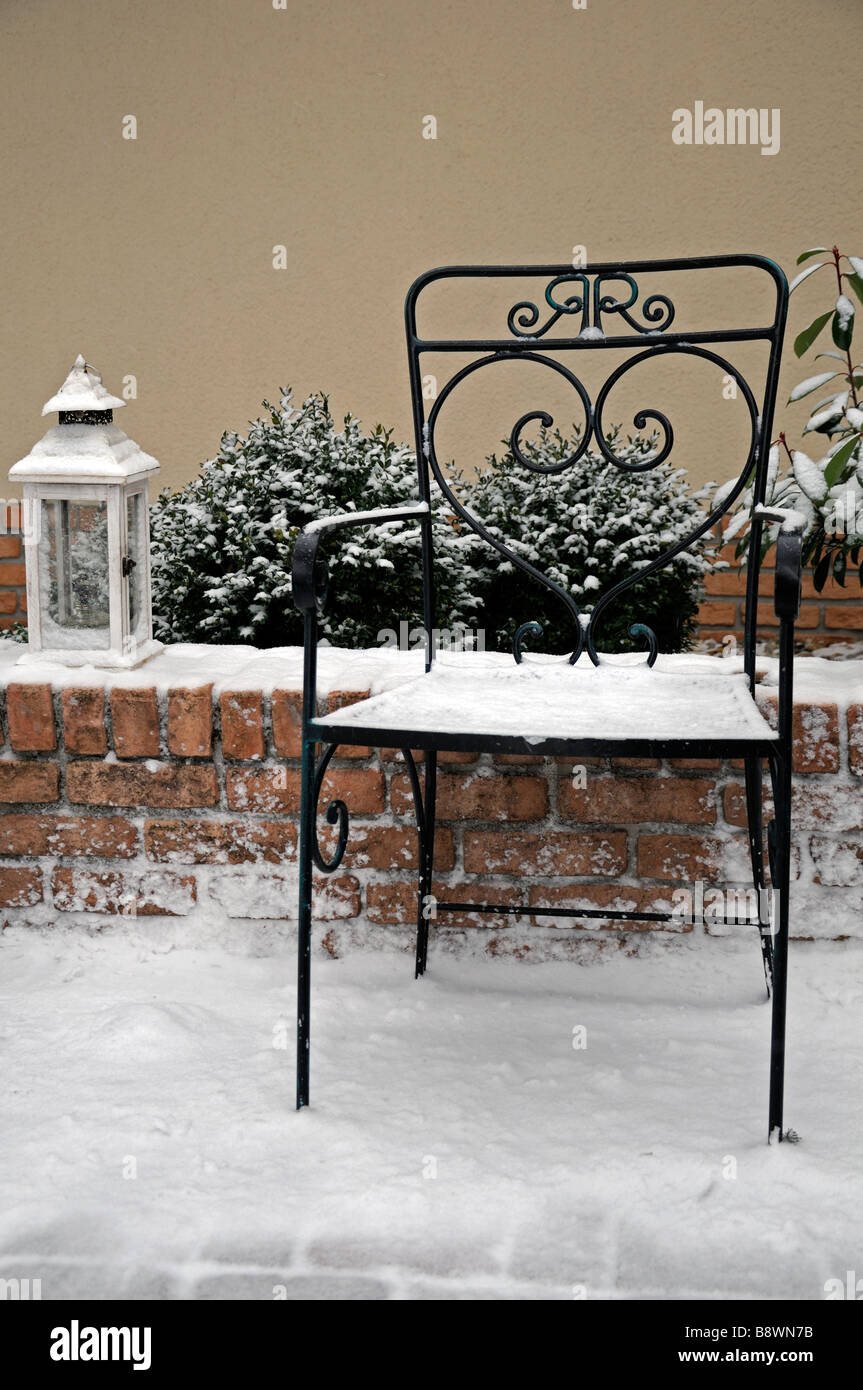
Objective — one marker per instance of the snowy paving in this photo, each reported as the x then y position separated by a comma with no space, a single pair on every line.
460,1144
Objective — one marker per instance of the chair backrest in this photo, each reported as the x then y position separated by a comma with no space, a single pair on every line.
551,316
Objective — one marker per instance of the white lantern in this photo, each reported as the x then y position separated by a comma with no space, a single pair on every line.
86,533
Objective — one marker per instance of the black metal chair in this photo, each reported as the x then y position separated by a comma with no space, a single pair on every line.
575,715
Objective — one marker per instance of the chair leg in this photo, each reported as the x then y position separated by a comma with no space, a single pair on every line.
755,825
304,943
426,828
781,886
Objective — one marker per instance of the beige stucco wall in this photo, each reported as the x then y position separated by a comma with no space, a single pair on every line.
258,126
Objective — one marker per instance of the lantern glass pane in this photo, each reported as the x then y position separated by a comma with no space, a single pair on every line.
136,541
73,574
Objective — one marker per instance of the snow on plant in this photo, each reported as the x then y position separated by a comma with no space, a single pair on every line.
222,546
587,528
828,491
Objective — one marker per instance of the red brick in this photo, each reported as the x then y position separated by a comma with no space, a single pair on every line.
815,732
287,711
278,789
734,803
855,739
242,724
831,591
8,598
20,886
134,784
387,847
848,616
634,764
712,613
473,797
695,764
552,853
84,719
626,800
148,894
219,842
135,718
395,903
29,781
190,721
339,699
13,576
30,713
807,617
814,807
621,897
110,837
725,583
518,760
10,549
444,757
678,858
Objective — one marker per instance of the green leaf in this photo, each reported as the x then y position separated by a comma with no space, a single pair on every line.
839,567
840,458
856,283
842,330
815,251
833,471
804,340
822,569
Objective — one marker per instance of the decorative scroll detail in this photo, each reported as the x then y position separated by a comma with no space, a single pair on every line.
523,317
473,522
657,310
532,627
337,814
640,419
594,429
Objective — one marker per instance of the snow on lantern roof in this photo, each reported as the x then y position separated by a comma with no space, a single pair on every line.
88,448
82,390
84,454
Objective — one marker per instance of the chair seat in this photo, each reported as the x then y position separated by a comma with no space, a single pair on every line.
484,700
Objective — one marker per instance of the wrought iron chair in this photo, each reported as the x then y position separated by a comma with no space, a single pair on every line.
575,715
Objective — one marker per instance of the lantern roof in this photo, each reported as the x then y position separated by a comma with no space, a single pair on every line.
84,454
82,390
90,450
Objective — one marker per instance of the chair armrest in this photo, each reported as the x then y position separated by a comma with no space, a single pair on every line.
308,571
789,560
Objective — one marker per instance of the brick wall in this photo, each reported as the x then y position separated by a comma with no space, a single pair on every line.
13,591
179,801
833,615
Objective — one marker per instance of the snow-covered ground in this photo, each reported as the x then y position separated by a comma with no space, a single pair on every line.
462,1143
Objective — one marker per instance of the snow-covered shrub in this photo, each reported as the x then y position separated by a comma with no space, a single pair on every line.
222,546
587,528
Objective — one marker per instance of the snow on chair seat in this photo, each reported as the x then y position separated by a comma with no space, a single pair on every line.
546,321
545,705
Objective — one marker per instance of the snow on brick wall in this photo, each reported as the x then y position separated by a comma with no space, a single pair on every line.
173,790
